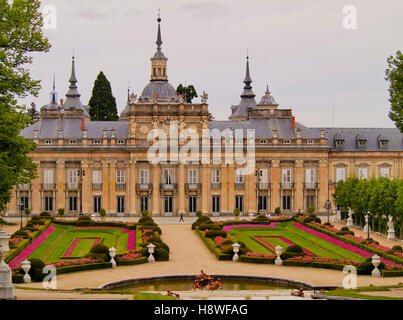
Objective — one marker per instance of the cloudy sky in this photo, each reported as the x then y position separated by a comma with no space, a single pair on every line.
298,47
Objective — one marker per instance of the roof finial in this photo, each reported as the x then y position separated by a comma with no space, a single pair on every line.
53,94
248,79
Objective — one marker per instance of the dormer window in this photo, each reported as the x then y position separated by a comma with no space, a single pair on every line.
338,141
361,141
48,142
310,141
287,141
97,141
72,141
121,141
263,141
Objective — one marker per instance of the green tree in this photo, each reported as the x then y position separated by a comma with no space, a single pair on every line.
20,35
394,74
102,102
188,92
33,113
399,206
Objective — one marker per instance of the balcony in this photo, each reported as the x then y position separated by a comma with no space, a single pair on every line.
287,185
72,186
193,186
168,186
48,186
121,186
24,186
263,186
311,185
239,185
97,186
216,185
144,186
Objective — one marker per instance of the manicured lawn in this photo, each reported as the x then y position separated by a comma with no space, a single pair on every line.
311,243
57,244
357,293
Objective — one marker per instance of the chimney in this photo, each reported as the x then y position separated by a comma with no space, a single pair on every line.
82,124
61,102
293,123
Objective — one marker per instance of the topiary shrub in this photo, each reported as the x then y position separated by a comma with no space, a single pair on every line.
311,210
83,220
199,213
205,226
102,212
27,211
60,211
99,251
36,271
311,218
277,211
366,266
260,218
99,248
143,252
35,218
144,219
144,213
292,251
397,248
345,230
201,220
294,248
45,214
237,212
21,233
161,254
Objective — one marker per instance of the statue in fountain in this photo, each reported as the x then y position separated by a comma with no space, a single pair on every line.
203,281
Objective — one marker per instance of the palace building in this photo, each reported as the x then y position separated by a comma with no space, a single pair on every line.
85,165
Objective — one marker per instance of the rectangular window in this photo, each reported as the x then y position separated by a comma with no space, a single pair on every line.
363,173
120,204
216,176
73,203
287,203
192,176
120,176
97,204
310,201
262,203
238,175
24,203
97,176
340,174
310,175
167,178
144,176
143,204
239,203
192,204
385,172
49,204
216,204
72,176
168,204
286,175
263,175
48,176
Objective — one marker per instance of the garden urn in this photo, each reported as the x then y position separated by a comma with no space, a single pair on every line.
6,285
26,266
279,251
151,248
376,261
236,247
112,253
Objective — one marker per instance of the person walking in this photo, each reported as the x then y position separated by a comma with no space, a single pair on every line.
181,218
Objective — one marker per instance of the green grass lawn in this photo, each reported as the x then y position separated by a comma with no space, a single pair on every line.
315,245
55,246
357,293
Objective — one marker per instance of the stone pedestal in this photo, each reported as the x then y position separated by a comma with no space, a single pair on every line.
350,222
6,285
391,235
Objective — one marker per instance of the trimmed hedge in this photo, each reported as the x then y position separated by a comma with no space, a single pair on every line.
98,224
132,262
212,247
354,243
215,233
392,273
259,260
83,267
18,278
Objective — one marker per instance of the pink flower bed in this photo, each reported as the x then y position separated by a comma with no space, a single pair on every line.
271,225
73,262
15,240
31,247
131,240
130,256
379,247
74,245
261,255
319,259
282,239
400,254
359,239
218,240
339,243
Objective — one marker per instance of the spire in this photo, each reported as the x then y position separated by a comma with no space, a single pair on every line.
267,90
73,81
247,92
159,41
53,94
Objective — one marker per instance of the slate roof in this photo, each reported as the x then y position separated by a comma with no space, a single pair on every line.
163,88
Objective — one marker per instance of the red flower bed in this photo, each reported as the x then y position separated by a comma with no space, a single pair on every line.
261,255
73,262
129,256
327,260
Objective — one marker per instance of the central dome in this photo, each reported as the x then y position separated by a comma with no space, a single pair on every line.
162,88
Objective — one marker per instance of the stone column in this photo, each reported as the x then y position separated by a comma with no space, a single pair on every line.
112,187
231,189
105,185
205,188
299,179
85,187
132,188
181,189
251,191
6,285
36,193
156,191
61,198
224,189
275,185
323,184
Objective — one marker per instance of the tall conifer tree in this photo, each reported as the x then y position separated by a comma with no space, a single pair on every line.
102,102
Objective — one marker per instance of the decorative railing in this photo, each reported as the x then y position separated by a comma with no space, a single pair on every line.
216,185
